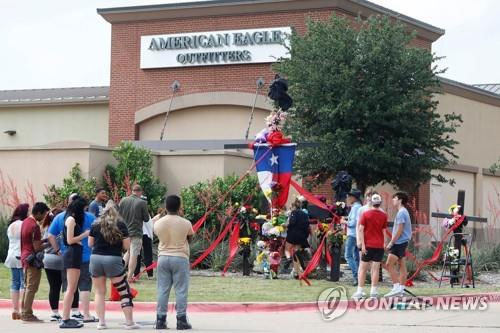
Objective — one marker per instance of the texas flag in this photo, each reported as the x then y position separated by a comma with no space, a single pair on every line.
274,169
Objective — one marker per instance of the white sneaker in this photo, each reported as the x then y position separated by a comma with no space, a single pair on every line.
101,326
55,317
395,292
373,295
133,326
358,295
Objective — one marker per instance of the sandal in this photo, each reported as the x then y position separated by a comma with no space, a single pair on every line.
91,319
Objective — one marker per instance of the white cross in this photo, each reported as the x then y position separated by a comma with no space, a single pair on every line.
274,159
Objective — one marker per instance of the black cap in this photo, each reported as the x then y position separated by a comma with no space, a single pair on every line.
355,193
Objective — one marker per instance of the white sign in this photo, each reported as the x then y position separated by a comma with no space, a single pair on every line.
228,47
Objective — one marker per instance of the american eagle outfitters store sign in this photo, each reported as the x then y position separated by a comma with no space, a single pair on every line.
214,48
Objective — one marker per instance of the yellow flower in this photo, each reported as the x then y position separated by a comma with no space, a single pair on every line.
280,228
255,211
245,240
261,217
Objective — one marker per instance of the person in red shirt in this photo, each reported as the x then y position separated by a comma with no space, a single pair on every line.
372,225
31,243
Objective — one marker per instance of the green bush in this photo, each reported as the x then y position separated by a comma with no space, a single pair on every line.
198,198
134,166
486,258
74,183
4,241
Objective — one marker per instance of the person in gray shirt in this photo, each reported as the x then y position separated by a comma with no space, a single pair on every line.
134,212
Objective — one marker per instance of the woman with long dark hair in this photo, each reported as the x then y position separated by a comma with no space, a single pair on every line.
54,266
72,258
13,260
109,238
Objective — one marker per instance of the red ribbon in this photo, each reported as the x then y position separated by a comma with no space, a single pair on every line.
437,251
309,196
150,267
202,220
233,246
215,243
313,263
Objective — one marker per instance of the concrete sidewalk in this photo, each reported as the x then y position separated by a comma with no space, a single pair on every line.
353,321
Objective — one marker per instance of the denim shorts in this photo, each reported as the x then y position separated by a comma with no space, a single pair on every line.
17,279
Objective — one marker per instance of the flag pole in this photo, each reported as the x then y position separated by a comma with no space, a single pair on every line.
260,84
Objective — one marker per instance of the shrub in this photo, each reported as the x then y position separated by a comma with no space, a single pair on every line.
200,197
134,166
486,258
4,241
74,183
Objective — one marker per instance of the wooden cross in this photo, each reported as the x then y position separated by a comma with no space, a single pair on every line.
461,203
459,235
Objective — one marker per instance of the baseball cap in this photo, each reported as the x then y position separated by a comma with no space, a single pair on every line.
376,199
355,193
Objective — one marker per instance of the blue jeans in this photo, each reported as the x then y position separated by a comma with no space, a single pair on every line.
172,271
352,255
17,279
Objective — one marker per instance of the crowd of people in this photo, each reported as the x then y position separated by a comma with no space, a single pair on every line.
83,246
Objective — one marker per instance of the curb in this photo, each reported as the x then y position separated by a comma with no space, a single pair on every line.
236,307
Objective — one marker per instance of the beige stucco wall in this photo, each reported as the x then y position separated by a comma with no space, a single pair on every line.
181,169
479,134
491,200
44,166
204,123
478,149
38,125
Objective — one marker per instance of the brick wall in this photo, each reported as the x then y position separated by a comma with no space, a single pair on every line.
132,88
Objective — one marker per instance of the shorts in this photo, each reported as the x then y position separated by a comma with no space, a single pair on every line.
373,254
72,257
17,279
399,250
106,266
85,281
135,246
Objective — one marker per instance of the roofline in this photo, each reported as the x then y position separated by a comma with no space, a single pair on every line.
58,103
469,91
241,7
486,84
73,100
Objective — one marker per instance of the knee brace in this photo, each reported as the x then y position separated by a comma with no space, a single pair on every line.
123,289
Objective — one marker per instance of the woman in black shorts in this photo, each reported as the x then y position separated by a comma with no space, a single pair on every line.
296,234
109,239
72,258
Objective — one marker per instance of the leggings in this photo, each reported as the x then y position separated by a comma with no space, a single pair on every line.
147,248
55,284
